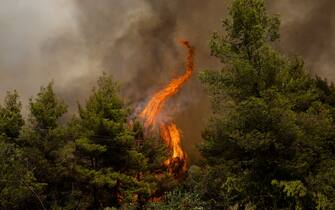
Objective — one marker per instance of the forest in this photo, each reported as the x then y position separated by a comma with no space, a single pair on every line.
269,142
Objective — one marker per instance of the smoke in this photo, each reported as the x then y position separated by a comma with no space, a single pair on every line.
308,30
73,41
36,48
137,41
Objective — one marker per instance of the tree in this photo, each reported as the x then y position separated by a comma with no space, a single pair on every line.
18,186
111,169
270,142
11,120
46,147
46,109
17,182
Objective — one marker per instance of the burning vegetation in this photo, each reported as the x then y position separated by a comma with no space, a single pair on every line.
177,164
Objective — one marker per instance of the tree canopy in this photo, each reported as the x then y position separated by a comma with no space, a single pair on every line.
270,140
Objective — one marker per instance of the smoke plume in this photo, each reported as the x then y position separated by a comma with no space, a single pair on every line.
73,41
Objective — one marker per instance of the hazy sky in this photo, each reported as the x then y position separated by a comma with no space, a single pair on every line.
26,27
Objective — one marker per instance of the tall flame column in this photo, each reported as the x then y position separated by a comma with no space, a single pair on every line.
178,161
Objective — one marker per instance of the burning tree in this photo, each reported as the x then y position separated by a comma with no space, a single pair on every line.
110,168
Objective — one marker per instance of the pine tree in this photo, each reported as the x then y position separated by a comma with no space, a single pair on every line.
46,147
270,142
18,186
11,120
111,170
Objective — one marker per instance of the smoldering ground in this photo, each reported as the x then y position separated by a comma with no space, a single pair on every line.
74,41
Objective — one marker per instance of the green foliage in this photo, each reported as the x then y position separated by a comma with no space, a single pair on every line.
46,109
179,200
98,160
46,147
17,183
11,120
111,169
291,188
271,132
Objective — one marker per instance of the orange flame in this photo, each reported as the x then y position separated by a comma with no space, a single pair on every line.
178,161
171,136
152,110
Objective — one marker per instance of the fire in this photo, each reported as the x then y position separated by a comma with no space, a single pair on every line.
171,136
152,110
169,132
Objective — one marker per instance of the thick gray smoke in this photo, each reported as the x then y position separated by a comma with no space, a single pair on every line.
137,40
73,41
39,43
308,30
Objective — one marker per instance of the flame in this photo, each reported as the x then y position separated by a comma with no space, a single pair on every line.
178,162
171,136
152,110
